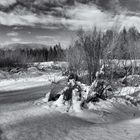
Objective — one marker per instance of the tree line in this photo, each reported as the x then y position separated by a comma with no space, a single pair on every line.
22,56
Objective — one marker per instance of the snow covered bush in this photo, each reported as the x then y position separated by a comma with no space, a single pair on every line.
73,96
77,95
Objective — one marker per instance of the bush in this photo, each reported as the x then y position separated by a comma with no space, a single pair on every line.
94,49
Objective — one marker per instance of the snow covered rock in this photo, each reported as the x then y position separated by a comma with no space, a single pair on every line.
56,89
32,69
3,74
77,102
15,70
74,96
133,80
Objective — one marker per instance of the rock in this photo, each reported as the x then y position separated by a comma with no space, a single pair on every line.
20,74
131,80
3,74
32,69
73,76
56,89
53,96
15,70
65,73
67,94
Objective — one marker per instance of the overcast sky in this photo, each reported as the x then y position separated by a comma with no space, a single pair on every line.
35,21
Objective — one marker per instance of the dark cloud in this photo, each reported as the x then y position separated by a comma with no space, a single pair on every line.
55,21
12,34
62,13
7,3
35,35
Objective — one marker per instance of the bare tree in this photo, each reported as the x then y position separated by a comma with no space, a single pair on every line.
91,42
111,48
75,57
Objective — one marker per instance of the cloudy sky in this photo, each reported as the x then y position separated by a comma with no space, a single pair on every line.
53,21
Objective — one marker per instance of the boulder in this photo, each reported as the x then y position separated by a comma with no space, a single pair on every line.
3,74
73,76
67,94
56,89
131,80
15,70
32,69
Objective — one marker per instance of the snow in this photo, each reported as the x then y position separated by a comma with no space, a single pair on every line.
127,90
29,82
110,110
32,77
113,119
122,63
51,64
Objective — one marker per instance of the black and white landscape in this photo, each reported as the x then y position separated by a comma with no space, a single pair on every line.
69,69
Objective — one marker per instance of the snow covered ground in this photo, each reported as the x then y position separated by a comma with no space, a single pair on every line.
22,83
37,75
113,119
120,107
51,64
127,90
108,120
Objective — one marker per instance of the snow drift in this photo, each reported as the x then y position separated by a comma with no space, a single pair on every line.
119,106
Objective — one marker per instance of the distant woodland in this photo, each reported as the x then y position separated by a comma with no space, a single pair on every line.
22,56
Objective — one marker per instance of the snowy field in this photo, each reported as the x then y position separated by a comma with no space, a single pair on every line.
113,119
39,74
23,83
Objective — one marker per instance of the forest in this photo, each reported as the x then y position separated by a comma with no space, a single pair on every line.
20,57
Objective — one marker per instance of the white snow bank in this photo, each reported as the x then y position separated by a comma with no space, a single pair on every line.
127,91
116,107
51,64
22,83
61,106
104,111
